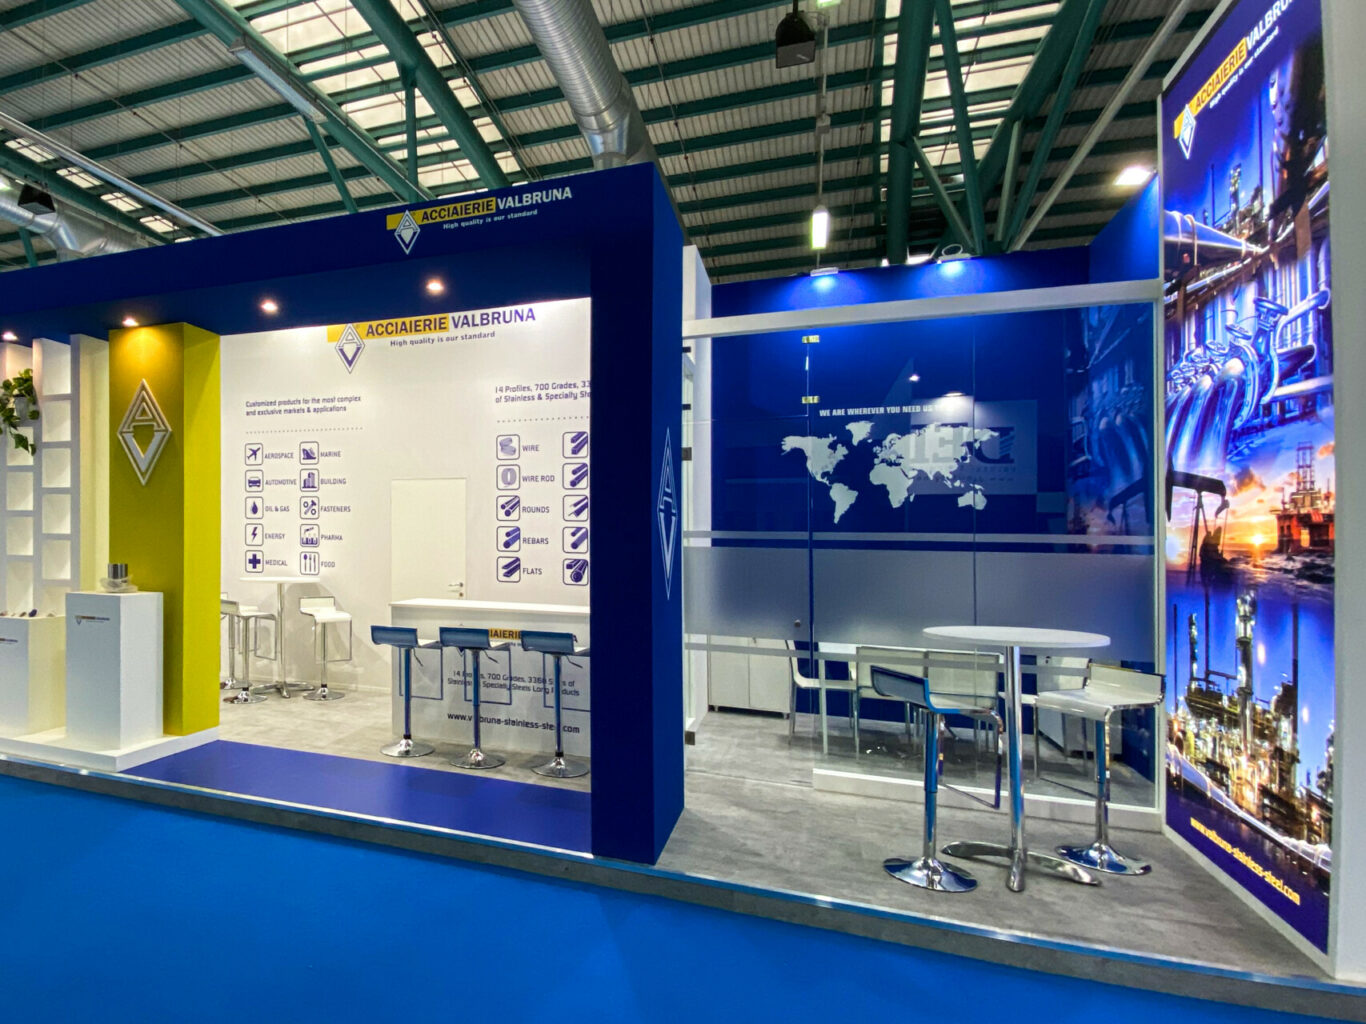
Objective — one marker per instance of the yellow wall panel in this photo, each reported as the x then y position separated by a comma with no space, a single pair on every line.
167,529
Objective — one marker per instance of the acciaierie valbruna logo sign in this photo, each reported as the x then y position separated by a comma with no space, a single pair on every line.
349,347
407,225
144,414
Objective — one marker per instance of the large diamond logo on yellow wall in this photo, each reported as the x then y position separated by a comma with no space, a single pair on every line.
144,413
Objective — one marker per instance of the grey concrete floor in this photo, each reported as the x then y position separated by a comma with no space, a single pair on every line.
752,817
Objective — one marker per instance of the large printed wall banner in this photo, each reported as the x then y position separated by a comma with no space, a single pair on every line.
1249,485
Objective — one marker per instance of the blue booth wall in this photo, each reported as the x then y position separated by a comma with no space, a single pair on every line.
545,243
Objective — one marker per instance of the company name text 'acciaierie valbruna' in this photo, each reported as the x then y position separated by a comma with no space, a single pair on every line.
483,206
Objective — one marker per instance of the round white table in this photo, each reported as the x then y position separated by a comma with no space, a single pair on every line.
1012,639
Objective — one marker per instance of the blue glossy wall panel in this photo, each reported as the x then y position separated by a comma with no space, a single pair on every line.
1128,248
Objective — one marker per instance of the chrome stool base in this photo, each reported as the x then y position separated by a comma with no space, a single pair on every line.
1100,856
929,873
561,768
1038,861
407,748
244,696
229,683
477,760
323,693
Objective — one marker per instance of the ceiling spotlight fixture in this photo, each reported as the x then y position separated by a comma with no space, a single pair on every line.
914,378
885,262
953,251
914,259
9,336
128,321
795,40
270,306
820,227
276,73
435,286
824,271
1133,176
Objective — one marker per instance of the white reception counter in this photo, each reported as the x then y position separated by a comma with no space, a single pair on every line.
515,704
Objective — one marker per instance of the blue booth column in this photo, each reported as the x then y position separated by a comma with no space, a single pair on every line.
636,601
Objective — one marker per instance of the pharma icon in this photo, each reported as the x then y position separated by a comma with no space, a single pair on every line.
509,538
509,446
576,444
510,508
509,478
310,535
576,572
576,540
509,570
575,476
576,508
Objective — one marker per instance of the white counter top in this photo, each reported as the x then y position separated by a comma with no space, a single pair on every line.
449,604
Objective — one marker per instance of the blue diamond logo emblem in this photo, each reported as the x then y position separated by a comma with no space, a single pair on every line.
349,347
407,232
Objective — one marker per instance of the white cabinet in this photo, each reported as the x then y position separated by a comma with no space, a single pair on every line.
751,682
32,696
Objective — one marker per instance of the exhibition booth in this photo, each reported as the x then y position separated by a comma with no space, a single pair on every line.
490,528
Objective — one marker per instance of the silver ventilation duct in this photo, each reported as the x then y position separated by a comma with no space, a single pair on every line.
573,43
71,232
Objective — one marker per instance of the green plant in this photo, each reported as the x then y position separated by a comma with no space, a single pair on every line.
18,402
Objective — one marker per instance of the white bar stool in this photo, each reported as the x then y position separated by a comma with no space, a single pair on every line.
557,645
244,628
1107,689
324,612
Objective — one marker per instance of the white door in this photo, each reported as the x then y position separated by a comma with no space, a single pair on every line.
426,539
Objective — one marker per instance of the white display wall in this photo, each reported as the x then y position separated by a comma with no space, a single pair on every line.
437,457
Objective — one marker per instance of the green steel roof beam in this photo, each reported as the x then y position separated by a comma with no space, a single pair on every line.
941,195
338,182
1043,147
399,40
110,52
36,10
967,156
914,35
229,26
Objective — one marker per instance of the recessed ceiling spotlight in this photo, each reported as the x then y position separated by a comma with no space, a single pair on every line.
435,286
1133,176
9,336
128,321
914,378
914,259
270,306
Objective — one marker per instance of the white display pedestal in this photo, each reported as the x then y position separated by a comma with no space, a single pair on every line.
113,669
32,665
112,686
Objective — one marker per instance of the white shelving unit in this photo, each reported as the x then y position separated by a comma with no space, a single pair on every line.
41,536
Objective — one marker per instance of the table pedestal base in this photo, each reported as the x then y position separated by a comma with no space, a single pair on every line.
1100,856
1019,860
929,873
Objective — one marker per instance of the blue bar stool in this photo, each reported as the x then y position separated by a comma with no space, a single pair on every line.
405,639
557,645
963,697
474,641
